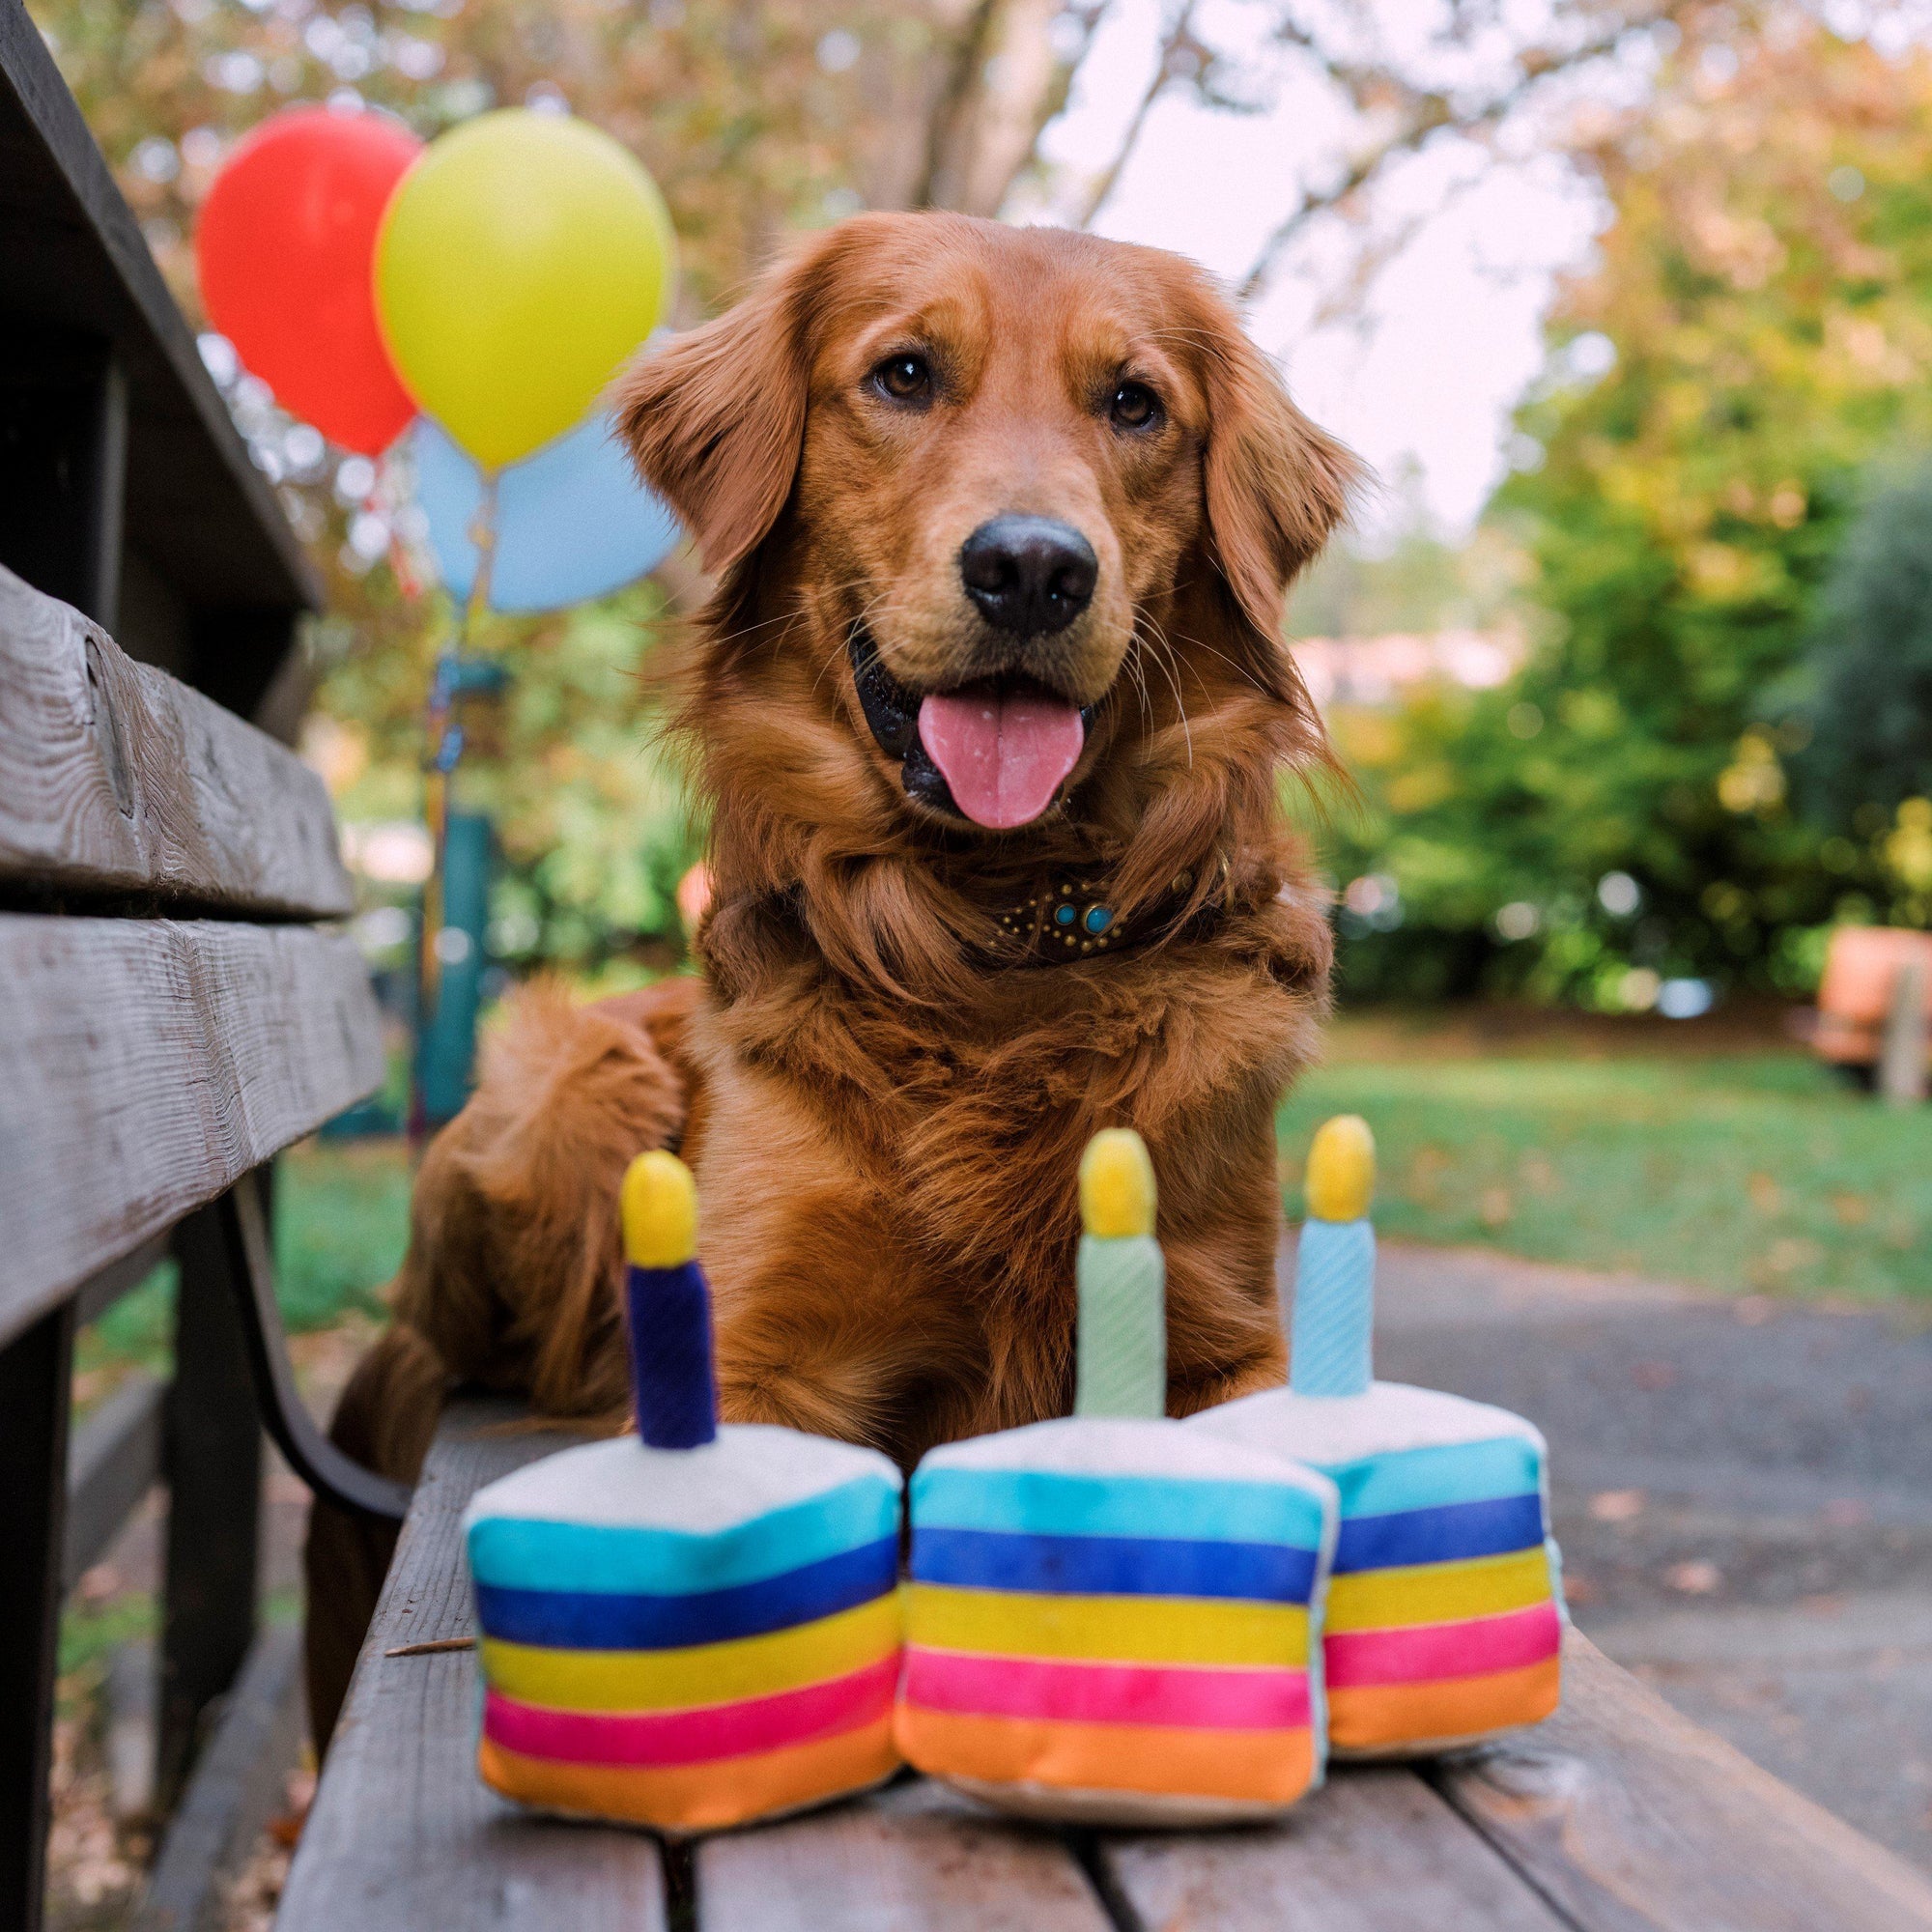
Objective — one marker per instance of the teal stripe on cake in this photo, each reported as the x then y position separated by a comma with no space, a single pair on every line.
1051,1503
1457,1472
523,1553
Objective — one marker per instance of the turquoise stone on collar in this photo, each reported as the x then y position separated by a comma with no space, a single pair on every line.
1071,919
1079,923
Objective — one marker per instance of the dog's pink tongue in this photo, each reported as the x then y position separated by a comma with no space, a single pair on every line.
1003,756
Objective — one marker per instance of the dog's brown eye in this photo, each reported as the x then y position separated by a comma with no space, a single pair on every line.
1135,407
907,378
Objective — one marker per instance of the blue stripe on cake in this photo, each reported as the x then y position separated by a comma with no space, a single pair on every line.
1399,1480
1451,1534
523,1553
980,1559
599,1620
1046,1502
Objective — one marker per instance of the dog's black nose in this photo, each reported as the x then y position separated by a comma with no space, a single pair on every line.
1028,575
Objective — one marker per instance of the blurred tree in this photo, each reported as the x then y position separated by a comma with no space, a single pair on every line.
1414,579
758,118
1759,328
1872,663
755,120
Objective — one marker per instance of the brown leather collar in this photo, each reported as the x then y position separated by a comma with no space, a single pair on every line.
1069,918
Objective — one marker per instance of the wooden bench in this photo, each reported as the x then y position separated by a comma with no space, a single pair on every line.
176,1008
149,1069
1616,1815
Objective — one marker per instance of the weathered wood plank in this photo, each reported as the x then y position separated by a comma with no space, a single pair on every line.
236,1789
915,1858
145,1065
115,1460
114,777
1627,1818
402,1834
1375,1851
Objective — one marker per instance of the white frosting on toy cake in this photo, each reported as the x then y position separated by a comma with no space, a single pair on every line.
748,1471
1120,1446
1388,1417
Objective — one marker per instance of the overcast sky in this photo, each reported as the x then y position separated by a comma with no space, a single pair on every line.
1421,380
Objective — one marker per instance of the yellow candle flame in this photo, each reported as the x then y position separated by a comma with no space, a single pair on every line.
659,1203
1116,1185
1341,1169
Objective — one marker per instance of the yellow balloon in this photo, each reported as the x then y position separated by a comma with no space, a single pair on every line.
520,261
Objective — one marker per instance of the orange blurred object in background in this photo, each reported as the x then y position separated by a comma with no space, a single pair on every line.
1855,993
694,895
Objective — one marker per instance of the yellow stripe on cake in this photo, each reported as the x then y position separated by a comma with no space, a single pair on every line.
1122,1630
1437,1593
705,1673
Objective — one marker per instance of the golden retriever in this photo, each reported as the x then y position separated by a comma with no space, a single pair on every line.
992,712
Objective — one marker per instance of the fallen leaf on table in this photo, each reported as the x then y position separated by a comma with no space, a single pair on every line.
1696,1578
1617,1505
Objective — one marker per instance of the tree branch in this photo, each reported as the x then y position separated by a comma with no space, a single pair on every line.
1426,114
943,129
1164,72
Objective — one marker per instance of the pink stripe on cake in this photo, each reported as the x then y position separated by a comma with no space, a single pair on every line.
971,1684
697,1735
1423,1653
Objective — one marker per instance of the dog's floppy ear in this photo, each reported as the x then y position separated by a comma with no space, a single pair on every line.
1277,486
715,420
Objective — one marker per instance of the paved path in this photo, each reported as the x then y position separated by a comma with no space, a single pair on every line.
1743,1490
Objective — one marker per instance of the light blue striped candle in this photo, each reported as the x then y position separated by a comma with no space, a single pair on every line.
1331,1337
1122,1350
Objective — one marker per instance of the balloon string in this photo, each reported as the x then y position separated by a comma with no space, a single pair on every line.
446,745
483,534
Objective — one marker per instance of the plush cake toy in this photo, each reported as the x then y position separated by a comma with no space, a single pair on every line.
1112,1618
693,1625
1445,1614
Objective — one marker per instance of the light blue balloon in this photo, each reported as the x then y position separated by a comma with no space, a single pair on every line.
572,521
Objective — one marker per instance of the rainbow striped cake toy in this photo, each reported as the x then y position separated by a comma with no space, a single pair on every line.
1445,1618
1111,1618
693,1625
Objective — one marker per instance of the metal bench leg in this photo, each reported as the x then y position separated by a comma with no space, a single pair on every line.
36,1394
213,1471
309,1453
232,1378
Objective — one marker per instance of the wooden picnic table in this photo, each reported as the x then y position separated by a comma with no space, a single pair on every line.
1616,1815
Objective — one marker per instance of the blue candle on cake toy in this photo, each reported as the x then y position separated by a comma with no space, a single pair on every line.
1110,1617
1444,1619
695,1625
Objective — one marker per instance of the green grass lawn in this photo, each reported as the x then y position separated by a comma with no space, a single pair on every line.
1743,1169
342,1216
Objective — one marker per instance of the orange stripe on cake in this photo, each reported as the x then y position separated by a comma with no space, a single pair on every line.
1256,1767
700,1797
1389,1716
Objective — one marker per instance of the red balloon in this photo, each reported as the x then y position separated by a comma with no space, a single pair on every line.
284,251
